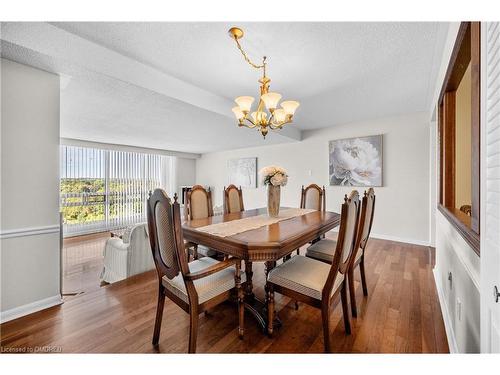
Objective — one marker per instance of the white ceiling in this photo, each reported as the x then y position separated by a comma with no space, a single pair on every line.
170,85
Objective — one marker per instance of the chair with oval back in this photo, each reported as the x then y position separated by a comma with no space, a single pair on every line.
324,249
195,287
316,283
313,197
199,206
198,203
233,199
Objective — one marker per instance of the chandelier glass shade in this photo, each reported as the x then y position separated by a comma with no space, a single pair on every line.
268,114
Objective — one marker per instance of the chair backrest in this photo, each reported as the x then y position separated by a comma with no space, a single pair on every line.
342,258
199,203
139,257
366,217
313,197
165,235
466,209
233,199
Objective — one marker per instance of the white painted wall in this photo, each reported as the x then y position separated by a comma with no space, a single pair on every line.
30,271
402,211
186,173
454,255
432,183
460,297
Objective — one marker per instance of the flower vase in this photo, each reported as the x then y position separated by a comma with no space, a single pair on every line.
273,200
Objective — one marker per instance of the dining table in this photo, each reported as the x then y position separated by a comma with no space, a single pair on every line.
253,236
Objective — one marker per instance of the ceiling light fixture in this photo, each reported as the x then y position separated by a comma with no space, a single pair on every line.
274,118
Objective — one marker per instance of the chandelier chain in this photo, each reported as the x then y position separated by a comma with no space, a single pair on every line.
266,116
247,59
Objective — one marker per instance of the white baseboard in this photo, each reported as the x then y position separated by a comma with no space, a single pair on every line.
452,342
395,239
399,239
30,308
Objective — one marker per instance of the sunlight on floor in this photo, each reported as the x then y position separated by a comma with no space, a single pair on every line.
82,263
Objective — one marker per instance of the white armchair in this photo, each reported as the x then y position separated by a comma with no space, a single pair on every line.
127,256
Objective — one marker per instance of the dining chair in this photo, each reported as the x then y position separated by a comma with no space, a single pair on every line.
466,209
324,249
312,197
195,287
199,206
316,283
233,199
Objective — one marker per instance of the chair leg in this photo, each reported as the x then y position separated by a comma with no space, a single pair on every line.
193,329
345,308
363,275
296,305
195,252
325,317
159,315
270,310
352,293
298,251
241,313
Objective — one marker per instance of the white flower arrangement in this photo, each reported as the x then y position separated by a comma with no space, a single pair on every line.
273,175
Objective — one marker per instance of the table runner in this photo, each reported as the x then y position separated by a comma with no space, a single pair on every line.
230,228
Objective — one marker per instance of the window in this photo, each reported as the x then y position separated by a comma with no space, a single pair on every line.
105,189
459,116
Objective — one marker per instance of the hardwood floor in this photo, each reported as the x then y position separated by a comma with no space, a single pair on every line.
400,315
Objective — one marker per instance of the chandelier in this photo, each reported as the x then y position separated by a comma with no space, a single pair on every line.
274,118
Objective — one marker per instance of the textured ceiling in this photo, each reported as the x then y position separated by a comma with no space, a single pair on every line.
340,72
112,111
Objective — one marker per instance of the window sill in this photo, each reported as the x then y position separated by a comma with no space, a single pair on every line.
461,222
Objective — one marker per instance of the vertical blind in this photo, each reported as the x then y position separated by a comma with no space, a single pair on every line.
107,189
492,225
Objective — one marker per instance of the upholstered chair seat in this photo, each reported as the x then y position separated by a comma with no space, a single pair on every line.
323,250
304,275
207,287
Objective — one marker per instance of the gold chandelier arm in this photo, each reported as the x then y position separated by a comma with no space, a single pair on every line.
271,119
276,125
252,126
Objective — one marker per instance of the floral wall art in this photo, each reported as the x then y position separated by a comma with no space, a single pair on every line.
356,161
242,172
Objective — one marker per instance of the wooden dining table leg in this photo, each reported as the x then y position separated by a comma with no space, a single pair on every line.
268,266
249,284
255,306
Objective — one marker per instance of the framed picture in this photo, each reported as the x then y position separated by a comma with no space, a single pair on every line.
242,172
356,161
